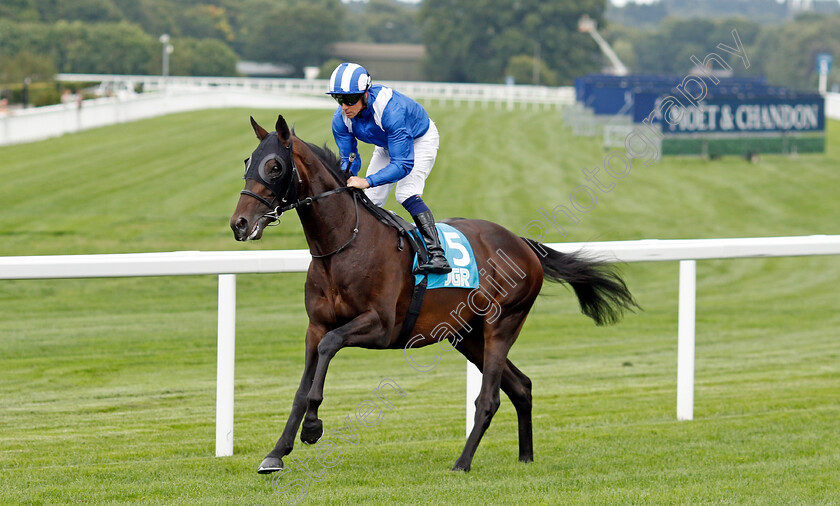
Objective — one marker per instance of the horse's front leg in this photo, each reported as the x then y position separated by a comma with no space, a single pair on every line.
367,330
274,460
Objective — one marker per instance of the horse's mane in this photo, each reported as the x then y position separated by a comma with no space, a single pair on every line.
329,159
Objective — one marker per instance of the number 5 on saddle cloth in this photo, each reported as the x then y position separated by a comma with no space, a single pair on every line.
459,254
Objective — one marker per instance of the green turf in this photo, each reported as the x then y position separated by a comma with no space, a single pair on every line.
108,385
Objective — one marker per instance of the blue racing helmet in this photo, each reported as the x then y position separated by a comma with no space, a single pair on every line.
349,79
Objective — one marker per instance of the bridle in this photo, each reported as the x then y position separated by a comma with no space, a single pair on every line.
282,186
290,178
274,216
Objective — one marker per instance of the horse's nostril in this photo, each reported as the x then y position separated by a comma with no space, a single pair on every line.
240,225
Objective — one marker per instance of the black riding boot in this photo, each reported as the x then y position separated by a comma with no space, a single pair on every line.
436,263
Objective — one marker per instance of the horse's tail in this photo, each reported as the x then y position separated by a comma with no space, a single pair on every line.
602,293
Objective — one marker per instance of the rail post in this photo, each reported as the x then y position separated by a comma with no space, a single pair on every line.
685,340
226,335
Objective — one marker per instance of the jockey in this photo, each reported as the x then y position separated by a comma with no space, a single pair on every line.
406,143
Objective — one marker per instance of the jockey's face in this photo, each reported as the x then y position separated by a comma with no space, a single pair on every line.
352,110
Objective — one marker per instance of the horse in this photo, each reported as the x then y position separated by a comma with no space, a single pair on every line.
359,286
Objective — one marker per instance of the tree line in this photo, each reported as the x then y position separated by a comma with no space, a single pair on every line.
783,53
532,41
473,41
122,36
649,15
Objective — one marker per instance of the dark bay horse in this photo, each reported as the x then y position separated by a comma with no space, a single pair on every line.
359,286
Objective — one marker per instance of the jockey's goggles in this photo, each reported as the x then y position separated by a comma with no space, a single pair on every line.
349,99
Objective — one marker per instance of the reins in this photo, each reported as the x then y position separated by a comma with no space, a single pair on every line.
355,228
275,214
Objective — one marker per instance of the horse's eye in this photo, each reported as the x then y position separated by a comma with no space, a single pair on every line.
274,169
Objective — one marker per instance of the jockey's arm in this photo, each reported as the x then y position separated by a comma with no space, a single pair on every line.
401,152
347,145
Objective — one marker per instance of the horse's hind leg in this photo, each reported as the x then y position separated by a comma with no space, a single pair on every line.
517,386
498,340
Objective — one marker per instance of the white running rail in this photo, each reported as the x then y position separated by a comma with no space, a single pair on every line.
227,264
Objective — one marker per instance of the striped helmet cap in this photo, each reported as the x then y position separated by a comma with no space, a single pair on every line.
348,79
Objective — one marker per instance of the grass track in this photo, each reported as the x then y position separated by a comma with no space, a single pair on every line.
108,386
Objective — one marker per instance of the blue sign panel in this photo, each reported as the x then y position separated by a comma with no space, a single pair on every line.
610,100
735,114
610,95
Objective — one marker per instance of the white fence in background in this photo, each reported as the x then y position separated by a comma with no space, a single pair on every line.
227,264
181,94
456,92
40,123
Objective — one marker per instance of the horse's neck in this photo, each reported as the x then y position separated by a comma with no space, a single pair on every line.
328,222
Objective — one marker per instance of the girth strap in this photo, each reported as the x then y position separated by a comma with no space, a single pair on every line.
414,308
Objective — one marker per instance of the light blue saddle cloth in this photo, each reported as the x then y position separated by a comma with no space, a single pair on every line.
460,256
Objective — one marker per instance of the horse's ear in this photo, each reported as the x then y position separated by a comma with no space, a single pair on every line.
260,131
282,128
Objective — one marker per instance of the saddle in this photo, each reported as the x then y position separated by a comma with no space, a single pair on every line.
405,230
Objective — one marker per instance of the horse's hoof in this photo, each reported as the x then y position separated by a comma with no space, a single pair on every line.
461,467
311,434
270,465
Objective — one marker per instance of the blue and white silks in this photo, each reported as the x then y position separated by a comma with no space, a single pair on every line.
391,121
